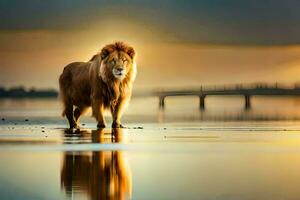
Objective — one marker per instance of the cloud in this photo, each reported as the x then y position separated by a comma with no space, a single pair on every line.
216,21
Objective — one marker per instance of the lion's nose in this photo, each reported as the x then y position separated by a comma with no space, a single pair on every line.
119,69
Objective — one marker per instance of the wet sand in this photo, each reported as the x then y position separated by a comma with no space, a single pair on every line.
41,159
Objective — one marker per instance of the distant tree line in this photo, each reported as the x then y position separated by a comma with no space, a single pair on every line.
21,92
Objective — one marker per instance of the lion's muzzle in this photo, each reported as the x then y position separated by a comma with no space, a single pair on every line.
119,72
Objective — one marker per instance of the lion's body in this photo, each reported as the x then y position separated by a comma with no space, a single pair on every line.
85,84
75,84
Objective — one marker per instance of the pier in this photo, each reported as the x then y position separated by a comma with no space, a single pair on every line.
237,90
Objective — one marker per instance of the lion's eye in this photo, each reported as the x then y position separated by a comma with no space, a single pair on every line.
113,62
124,60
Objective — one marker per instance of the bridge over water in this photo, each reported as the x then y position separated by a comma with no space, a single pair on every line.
241,90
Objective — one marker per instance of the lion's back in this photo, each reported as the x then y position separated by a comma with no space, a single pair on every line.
74,83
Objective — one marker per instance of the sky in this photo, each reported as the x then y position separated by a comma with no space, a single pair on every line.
179,43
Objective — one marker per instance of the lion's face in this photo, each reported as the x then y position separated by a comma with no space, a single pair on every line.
118,63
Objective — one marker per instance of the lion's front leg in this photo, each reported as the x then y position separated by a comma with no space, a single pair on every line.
117,112
98,113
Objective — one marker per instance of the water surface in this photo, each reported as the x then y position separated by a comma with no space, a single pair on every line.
223,152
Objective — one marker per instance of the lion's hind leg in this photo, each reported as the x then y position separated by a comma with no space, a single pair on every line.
78,112
70,115
64,86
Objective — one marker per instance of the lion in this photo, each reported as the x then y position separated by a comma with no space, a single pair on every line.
103,83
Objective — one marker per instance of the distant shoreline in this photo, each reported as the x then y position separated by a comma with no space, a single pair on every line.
259,88
21,92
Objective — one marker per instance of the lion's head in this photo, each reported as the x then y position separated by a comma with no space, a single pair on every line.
117,62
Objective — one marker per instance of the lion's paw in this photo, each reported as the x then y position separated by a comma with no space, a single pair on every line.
100,125
74,126
117,125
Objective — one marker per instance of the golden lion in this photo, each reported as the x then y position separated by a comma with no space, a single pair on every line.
104,83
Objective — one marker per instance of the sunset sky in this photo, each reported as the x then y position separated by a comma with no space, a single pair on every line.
179,43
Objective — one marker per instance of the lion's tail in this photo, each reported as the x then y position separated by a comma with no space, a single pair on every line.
62,95
63,114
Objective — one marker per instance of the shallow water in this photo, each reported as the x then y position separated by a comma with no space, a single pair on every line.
160,155
177,109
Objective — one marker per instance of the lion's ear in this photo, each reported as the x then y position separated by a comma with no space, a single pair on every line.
104,53
131,52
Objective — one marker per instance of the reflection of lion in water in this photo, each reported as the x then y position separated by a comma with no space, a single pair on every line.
105,82
99,174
